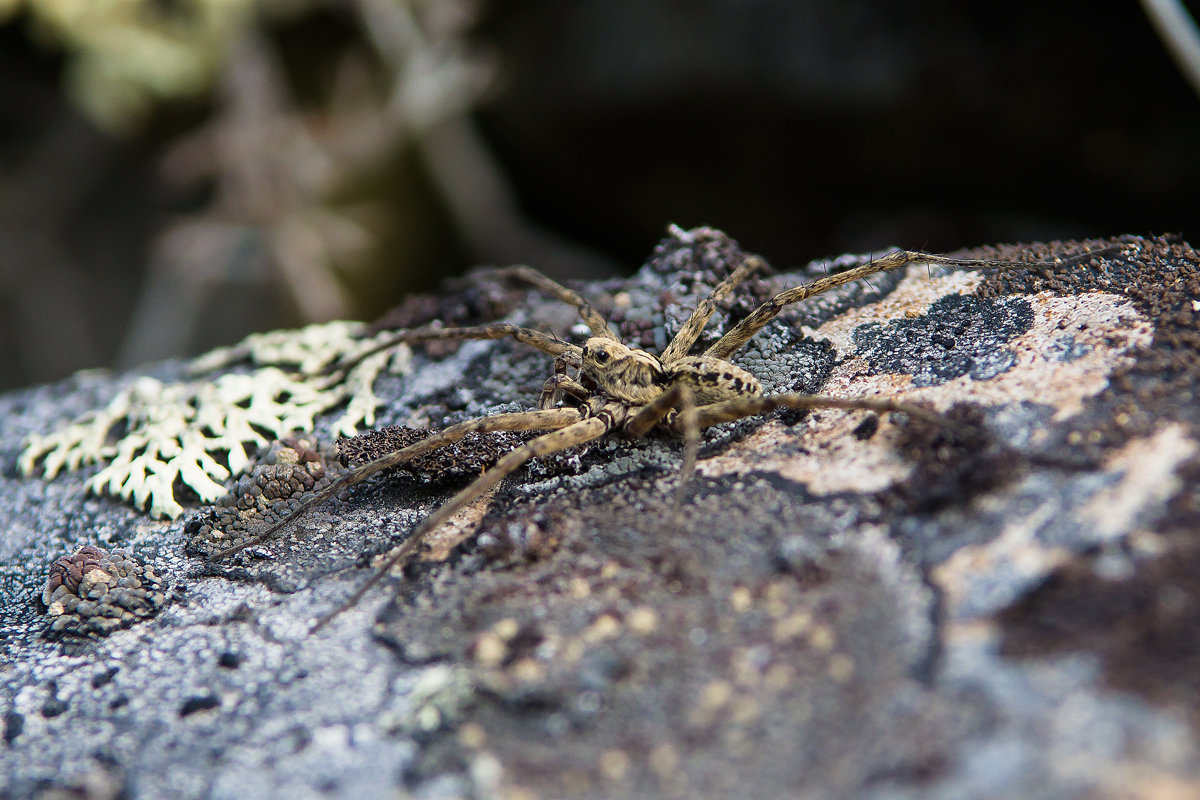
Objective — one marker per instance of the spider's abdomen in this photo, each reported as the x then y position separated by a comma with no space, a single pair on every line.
713,379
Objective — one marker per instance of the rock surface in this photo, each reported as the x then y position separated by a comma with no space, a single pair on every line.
848,606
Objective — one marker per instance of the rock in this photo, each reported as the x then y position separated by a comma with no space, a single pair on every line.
849,604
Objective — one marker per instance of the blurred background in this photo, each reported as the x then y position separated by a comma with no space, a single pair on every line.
175,174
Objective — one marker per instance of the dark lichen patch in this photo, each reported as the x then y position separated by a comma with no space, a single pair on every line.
53,705
462,460
867,428
960,335
230,660
14,724
1144,627
1139,613
952,463
104,677
1161,276
289,471
636,659
94,592
204,702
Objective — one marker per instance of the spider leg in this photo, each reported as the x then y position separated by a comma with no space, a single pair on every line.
691,330
519,421
678,398
535,339
749,406
590,316
744,330
581,432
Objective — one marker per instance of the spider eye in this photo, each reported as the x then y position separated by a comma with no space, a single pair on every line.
600,356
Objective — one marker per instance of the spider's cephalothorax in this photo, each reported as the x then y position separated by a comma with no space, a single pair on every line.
622,373
637,377
622,389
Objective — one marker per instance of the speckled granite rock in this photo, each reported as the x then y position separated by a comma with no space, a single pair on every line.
850,606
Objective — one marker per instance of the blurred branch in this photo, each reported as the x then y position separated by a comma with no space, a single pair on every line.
433,81
272,181
123,59
276,171
1178,31
48,291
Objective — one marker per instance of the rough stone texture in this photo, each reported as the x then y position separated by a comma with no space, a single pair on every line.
848,606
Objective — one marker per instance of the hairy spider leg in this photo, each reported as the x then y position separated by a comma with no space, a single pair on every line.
581,432
590,316
696,323
745,330
536,339
518,421
750,406
678,398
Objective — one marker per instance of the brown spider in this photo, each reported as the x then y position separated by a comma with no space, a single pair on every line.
620,388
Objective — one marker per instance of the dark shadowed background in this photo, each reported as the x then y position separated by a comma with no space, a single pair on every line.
174,175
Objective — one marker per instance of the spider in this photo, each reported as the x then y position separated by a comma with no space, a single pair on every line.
618,388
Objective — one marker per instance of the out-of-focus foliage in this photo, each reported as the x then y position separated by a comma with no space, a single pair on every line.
331,147
288,161
125,55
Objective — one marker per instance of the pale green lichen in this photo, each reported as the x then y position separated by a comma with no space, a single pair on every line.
125,56
200,432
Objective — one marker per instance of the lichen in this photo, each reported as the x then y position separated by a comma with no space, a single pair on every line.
201,431
462,460
93,592
288,471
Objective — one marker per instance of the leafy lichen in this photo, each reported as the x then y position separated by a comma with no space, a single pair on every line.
155,435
